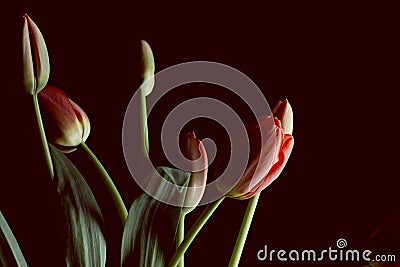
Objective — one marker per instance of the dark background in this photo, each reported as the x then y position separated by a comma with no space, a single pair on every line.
335,62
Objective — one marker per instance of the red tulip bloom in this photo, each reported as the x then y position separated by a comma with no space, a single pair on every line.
266,161
66,124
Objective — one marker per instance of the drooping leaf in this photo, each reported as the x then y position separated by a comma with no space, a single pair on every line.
150,231
86,245
10,252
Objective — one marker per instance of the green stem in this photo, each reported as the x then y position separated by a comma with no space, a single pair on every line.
143,117
198,225
42,134
180,237
244,230
112,189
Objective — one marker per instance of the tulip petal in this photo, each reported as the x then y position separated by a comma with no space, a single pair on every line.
83,119
262,156
41,55
275,109
27,63
275,171
283,111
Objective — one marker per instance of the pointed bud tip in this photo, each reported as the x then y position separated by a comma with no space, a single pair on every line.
275,109
284,112
191,134
144,43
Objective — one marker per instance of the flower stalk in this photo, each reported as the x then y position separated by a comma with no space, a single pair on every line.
244,230
42,133
112,189
143,120
180,237
194,230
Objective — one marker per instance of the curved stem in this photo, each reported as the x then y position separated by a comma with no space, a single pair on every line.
198,225
112,189
10,252
244,230
42,134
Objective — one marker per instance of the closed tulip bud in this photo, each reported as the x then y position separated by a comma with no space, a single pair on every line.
34,50
66,124
148,68
194,150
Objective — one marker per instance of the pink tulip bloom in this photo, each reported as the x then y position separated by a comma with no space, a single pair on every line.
267,162
66,124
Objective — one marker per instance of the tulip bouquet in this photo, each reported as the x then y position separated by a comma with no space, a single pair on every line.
63,127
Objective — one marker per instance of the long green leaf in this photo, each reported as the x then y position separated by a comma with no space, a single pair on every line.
86,245
151,228
10,252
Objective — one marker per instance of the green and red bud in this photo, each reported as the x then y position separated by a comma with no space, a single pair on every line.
66,124
35,63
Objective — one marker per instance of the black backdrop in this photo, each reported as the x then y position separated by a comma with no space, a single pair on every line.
335,62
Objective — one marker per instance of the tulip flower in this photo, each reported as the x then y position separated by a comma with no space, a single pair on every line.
34,77
265,165
266,161
194,150
66,124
